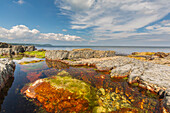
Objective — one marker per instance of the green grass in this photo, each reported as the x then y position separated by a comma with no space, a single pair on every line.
37,54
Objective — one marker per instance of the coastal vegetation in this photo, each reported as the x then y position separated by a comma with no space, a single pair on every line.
37,54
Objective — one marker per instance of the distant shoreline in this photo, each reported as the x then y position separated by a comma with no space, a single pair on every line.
49,45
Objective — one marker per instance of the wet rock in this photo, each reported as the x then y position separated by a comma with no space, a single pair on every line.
6,71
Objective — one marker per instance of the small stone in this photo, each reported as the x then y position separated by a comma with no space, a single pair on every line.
99,109
102,90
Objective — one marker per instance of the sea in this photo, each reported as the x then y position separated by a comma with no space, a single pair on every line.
118,49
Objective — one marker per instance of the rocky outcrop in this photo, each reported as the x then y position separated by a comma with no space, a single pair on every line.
157,58
151,55
6,71
77,54
5,45
5,51
8,49
29,48
17,49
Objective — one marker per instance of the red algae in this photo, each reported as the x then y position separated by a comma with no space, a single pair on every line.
62,100
33,76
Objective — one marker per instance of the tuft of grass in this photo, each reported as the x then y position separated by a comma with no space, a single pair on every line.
37,54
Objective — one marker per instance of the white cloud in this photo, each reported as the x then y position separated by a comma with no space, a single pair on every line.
24,33
114,18
20,1
64,30
160,28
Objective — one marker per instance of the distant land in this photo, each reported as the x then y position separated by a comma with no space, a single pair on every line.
50,45
38,45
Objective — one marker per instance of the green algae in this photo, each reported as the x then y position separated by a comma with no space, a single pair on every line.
37,54
82,89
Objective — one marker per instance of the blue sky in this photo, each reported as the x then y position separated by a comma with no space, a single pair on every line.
86,22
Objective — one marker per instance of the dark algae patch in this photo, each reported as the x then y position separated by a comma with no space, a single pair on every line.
68,89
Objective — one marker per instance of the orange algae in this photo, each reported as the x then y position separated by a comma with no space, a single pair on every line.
126,110
54,100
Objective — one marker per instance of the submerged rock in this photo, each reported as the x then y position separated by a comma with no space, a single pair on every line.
110,101
56,65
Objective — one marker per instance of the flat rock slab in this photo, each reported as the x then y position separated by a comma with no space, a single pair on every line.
77,54
120,66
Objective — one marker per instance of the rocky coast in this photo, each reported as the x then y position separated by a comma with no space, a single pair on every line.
147,70
8,49
149,75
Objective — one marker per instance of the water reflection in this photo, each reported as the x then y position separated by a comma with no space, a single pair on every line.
56,65
4,91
